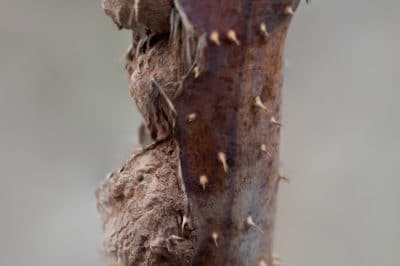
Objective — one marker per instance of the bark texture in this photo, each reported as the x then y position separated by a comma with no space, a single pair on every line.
209,90
142,206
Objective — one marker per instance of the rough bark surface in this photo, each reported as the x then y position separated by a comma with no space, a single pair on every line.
142,206
209,89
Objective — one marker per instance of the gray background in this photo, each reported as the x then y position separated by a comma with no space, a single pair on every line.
67,119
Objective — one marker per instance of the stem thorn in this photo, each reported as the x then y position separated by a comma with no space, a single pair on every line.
196,72
203,181
214,37
289,10
262,263
263,148
214,236
191,117
222,159
284,178
276,122
251,223
231,34
185,221
263,29
259,104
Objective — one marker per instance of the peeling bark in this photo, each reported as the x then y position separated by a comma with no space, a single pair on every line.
209,91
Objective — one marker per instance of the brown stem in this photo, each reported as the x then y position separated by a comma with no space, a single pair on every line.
226,120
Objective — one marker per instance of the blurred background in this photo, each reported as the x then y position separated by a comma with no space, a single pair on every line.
66,120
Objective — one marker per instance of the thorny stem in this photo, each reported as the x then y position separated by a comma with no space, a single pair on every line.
243,62
226,123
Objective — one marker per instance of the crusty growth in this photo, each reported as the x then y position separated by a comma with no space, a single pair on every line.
153,83
157,65
143,205
142,208
149,15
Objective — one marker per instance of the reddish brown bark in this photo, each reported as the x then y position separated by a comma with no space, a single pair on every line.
223,98
216,118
